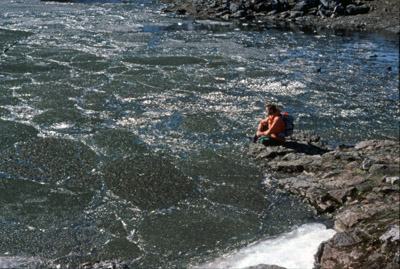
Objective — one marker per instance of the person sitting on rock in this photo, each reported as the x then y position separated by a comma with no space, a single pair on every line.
272,129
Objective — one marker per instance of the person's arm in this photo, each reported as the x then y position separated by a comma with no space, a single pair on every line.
261,127
275,128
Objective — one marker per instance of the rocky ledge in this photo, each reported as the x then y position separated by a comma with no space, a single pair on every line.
364,15
357,186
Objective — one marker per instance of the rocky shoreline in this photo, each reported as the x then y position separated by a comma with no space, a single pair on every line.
355,15
356,186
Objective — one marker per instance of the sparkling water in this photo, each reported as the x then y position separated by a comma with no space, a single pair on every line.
123,132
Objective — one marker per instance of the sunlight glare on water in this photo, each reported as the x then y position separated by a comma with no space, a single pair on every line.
124,131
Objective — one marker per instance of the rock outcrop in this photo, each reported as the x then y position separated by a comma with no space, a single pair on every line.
371,15
357,186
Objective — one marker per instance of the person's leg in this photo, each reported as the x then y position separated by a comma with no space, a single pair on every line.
255,137
269,141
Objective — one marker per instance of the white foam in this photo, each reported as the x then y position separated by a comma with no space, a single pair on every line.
292,250
61,125
15,261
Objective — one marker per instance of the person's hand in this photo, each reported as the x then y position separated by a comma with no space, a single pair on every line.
259,133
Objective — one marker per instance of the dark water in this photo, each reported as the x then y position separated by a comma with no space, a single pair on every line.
123,130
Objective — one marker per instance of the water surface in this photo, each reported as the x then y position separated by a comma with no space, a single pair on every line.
123,130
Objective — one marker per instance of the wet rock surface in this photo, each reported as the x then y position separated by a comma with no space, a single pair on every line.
364,15
357,186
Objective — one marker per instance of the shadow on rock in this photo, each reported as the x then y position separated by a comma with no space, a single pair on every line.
300,144
309,149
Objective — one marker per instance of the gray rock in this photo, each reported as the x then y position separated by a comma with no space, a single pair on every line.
225,17
222,8
347,220
212,4
296,14
353,165
305,5
234,7
389,189
239,14
290,166
328,4
290,157
221,14
355,10
366,164
341,195
340,155
284,15
384,169
345,239
304,182
263,7
391,235
392,180
365,144
301,6
387,143
313,11
324,13
339,10
260,151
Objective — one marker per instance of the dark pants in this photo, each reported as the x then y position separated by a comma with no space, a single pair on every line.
267,141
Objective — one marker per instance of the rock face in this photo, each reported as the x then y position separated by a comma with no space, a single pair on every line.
369,15
357,186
